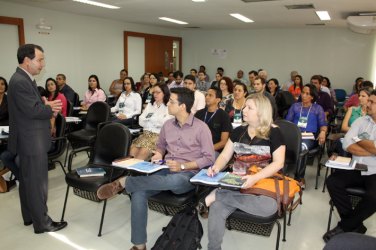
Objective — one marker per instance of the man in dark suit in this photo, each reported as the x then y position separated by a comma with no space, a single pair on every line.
30,138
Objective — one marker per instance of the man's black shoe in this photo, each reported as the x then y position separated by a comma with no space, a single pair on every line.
28,223
331,233
52,227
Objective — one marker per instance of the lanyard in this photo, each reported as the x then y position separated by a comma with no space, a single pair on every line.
206,113
301,108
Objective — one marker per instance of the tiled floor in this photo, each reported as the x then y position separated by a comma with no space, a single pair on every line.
309,222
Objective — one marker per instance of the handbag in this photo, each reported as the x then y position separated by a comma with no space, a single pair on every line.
5,185
279,187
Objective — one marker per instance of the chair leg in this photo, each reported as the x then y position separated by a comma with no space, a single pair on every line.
278,234
102,218
318,173
330,215
326,176
62,167
284,226
66,154
65,203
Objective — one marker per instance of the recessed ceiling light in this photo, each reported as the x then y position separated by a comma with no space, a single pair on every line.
172,20
198,1
323,15
98,4
241,18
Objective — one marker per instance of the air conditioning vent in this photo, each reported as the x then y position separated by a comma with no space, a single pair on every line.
300,7
193,27
255,1
362,24
315,24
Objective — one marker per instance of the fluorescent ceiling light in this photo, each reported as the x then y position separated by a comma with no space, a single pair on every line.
241,18
172,20
103,5
199,1
323,15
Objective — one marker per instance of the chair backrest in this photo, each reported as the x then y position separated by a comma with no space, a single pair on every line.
340,94
76,100
284,100
98,112
293,140
113,141
60,144
69,108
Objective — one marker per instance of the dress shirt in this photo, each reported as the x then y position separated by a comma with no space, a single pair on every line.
128,104
199,102
190,142
175,85
203,86
363,125
153,117
97,96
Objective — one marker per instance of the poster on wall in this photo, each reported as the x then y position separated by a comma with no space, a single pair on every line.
220,53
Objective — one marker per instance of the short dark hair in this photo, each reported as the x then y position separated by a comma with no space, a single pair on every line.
124,70
185,96
260,78
56,93
220,69
194,70
218,92
133,86
366,84
373,92
62,75
202,66
275,81
253,72
317,77
203,72
166,93
190,77
312,91
27,50
178,73
96,78
5,83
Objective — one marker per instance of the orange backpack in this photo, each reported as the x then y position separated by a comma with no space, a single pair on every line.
279,187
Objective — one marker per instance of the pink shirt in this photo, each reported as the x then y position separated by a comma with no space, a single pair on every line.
97,96
63,100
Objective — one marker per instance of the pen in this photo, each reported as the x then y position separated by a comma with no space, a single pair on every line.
159,162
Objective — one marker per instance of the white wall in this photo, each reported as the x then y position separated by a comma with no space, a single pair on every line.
77,46
334,52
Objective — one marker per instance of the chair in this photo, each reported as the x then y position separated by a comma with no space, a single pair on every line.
341,96
59,142
253,224
355,194
97,114
284,100
113,142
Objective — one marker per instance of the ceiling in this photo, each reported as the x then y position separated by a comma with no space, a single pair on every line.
214,14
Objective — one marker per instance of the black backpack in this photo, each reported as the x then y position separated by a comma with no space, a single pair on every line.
183,232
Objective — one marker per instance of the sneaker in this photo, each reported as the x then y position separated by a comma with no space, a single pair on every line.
331,233
136,248
109,190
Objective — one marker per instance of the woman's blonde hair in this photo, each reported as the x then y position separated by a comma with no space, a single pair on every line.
264,113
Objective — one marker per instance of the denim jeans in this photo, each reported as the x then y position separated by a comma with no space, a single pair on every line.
226,202
142,187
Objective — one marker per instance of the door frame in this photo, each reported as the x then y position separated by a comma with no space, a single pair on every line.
20,27
146,36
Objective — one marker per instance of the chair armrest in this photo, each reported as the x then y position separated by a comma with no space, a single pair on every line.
73,152
134,123
59,138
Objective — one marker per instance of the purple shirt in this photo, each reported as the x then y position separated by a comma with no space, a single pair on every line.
191,142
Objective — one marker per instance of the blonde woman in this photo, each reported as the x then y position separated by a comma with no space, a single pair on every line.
258,131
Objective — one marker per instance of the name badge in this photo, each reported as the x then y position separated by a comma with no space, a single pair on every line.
302,123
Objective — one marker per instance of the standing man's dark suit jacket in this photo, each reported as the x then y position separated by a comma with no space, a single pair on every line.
29,117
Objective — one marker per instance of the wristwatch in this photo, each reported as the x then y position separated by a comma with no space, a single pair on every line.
182,167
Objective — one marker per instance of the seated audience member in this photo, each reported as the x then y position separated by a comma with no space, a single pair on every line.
290,82
4,114
170,78
148,93
53,94
177,83
152,119
145,84
296,88
240,77
326,83
64,88
226,87
128,104
116,86
194,73
273,87
259,85
186,145
199,103
357,85
360,142
220,70
202,85
217,119
251,76
259,131
94,93
263,74
161,77
203,69
215,82
354,113
309,117
323,99
354,99
234,106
